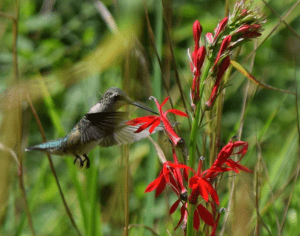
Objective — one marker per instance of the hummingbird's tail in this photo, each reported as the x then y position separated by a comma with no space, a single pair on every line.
53,146
35,147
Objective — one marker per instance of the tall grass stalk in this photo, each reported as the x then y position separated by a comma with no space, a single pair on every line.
157,73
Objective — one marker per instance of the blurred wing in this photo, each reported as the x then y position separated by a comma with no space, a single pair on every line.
125,134
96,126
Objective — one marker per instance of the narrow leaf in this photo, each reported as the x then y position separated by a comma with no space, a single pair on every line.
245,72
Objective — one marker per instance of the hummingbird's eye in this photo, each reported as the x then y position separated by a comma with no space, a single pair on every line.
117,97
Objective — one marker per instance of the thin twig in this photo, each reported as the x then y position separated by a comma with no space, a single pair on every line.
125,149
106,16
12,153
282,20
174,64
152,40
271,32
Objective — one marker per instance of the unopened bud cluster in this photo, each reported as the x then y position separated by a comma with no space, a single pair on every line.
242,25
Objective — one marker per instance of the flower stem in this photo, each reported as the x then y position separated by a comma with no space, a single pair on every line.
192,147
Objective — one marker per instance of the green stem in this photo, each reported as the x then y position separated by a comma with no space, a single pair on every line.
192,147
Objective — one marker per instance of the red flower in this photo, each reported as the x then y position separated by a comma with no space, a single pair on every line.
197,60
244,13
249,31
201,187
210,38
223,159
220,28
224,45
154,121
170,174
221,70
205,215
183,211
197,30
213,232
200,212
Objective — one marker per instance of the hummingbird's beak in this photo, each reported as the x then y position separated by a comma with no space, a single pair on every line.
143,107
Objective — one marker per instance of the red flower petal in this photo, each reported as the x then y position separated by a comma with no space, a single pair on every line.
171,133
209,37
166,171
224,45
193,183
196,220
164,102
174,207
222,68
236,166
201,53
161,186
145,126
182,211
221,26
177,112
185,174
193,198
154,125
197,30
140,120
211,191
213,232
153,185
205,215
180,166
202,189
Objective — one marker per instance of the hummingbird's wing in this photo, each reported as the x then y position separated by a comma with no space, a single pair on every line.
124,134
109,128
96,126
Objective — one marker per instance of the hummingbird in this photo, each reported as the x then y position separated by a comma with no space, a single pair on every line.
103,125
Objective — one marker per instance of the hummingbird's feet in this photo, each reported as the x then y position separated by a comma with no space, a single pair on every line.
87,160
80,160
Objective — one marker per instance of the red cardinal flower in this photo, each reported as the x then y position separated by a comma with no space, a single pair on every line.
205,215
171,175
201,187
154,121
213,232
215,91
183,211
198,56
197,30
200,212
224,45
224,159
198,59
220,28
209,38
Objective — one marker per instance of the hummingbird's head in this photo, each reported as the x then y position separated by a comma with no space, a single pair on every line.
113,99
116,98
120,98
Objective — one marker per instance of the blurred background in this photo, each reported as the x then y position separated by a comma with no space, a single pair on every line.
69,52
